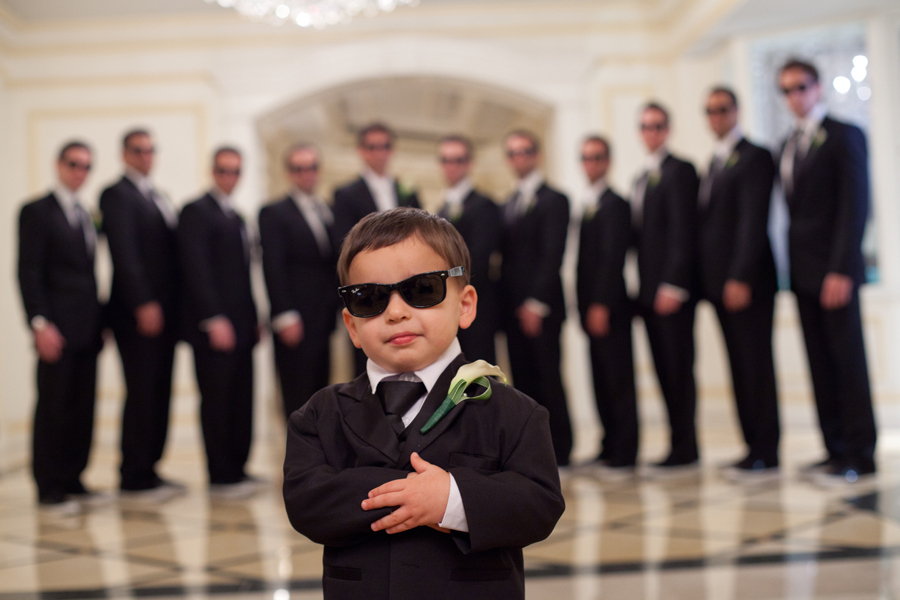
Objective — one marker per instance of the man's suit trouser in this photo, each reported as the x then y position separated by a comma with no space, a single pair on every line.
302,370
63,421
147,364
840,378
612,365
672,346
225,380
535,366
748,338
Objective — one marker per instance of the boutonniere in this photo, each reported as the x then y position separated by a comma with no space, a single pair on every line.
475,373
821,136
454,212
590,211
653,177
404,193
96,218
733,159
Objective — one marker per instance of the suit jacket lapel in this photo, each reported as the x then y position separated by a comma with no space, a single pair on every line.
417,442
369,199
366,418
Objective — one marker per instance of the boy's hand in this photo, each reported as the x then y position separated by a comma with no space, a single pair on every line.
421,498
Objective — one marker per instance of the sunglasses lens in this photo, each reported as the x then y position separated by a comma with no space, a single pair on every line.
423,291
366,300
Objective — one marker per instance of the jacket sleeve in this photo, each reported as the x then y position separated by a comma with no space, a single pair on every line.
345,214
521,504
554,227
33,241
681,208
851,164
616,236
754,198
120,224
323,502
271,237
194,254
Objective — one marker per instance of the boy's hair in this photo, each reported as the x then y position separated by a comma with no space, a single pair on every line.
380,230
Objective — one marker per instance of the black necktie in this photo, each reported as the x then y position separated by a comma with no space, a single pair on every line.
397,397
512,207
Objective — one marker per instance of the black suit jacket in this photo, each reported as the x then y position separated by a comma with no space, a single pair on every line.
298,276
340,446
533,248
666,238
603,243
479,226
215,261
56,273
144,254
354,201
733,235
828,207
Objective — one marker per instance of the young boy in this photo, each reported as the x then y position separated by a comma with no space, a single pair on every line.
444,514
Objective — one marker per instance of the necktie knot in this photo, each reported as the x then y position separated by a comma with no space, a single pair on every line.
397,398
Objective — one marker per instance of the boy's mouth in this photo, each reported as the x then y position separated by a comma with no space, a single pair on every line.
401,339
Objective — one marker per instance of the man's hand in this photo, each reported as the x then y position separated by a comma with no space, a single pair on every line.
221,334
49,343
836,291
597,320
420,499
736,295
666,303
530,322
291,335
150,319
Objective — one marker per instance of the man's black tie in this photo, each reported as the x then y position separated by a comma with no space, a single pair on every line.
397,397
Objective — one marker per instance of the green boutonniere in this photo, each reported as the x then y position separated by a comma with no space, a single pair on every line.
589,212
733,159
96,218
454,212
653,178
821,136
404,193
472,373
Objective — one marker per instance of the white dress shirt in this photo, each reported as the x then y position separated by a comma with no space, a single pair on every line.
455,515
76,215
455,196
652,164
383,190
722,151
807,128
590,197
527,188
145,187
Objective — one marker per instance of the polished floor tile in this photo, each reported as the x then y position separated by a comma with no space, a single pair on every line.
694,537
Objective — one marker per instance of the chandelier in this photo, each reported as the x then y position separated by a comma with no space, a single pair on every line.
310,13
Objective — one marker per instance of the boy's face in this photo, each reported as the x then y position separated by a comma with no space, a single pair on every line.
403,338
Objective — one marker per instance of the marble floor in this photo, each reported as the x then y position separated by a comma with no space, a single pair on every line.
698,537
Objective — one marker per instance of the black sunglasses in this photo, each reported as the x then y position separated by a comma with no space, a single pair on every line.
718,110
453,160
526,152
593,157
77,165
298,169
654,126
224,171
800,87
378,147
419,291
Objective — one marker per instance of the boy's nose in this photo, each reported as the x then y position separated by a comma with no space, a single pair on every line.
397,308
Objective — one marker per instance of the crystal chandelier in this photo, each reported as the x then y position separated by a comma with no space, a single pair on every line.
310,13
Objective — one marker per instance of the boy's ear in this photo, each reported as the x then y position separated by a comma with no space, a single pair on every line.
468,306
350,324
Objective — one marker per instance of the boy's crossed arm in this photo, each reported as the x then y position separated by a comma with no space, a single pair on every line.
421,498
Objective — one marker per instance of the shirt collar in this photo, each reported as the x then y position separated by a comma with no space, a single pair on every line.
459,192
372,177
596,190
654,160
65,196
141,181
223,199
810,123
528,185
725,146
427,375
300,197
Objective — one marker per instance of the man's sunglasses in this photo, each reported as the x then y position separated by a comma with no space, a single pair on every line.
800,87
419,291
300,169
453,160
77,166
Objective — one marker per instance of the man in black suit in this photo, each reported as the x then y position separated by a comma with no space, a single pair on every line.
221,325
606,311
139,224
737,275
824,170
476,217
299,261
664,214
374,191
536,221
56,278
